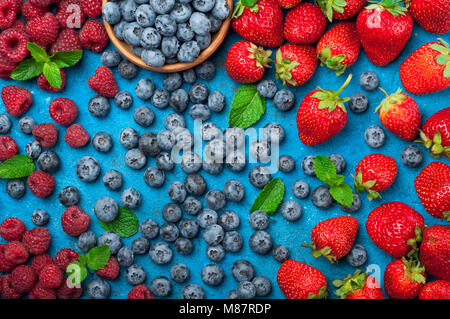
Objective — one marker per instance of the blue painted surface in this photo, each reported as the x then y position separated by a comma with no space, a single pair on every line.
350,143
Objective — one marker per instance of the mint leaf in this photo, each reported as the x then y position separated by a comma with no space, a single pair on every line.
125,225
65,59
76,273
270,197
98,257
27,69
37,52
52,74
343,194
82,259
324,169
17,166
247,107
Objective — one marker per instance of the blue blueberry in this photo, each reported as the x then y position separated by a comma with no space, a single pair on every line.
149,229
260,242
207,217
308,165
291,210
338,161
171,213
148,144
150,40
99,106
203,5
160,98
162,6
131,198
357,256
259,176
212,166
145,89
412,156
246,290
242,270
193,291
261,151
184,246
192,205
177,192
125,256
232,241
102,142
216,101
161,287
26,124
165,25
118,29
154,177
5,124
153,58
236,161
274,133
166,140
129,138
113,180
206,70
170,47
48,161
284,100
203,41
215,199
106,209
112,240
300,189
215,253
132,33
267,88
111,13
221,9
140,246
189,51
213,234
232,294
127,70
181,12
179,100
145,16
98,289
179,272
87,169
375,136
128,10
185,33
135,159
259,220
191,162
200,112
33,149
321,197
234,190
87,241
369,81
69,196
280,253
212,275
286,163
144,116
135,275
356,205
210,131
123,100
169,232
188,228
195,184
160,253
40,217
358,102
173,121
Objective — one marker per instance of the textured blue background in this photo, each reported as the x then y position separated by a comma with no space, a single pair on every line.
350,143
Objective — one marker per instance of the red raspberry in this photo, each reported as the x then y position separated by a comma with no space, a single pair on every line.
12,228
8,13
43,3
41,292
1,282
20,26
46,134
93,36
103,82
51,277
40,261
16,252
23,278
70,14
66,292
43,30
64,257
19,4
8,147
6,67
30,11
68,40
5,264
75,221
44,85
111,270
140,292
8,292
76,136
63,111
13,45
37,240
93,8
16,99
41,184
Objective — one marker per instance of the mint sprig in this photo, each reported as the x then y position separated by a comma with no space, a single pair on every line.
247,107
270,197
95,259
125,225
17,166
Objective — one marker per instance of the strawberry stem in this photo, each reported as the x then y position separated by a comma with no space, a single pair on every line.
349,78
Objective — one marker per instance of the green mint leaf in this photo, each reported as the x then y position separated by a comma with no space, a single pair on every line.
342,193
65,59
98,257
37,52
82,259
17,166
247,107
125,225
324,169
76,273
270,197
52,74
27,69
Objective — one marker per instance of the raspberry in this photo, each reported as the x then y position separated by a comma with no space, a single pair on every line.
37,240
63,111
23,278
40,261
76,136
103,82
43,30
8,292
42,3
41,292
12,228
44,85
93,36
30,11
75,221
46,134
111,270
64,257
65,292
51,276
8,13
20,26
68,40
140,292
93,8
19,4
5,264
13,45
16,99
16,252
70,15
6,67
41,184
8,147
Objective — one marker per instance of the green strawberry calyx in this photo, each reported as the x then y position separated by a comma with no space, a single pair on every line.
361,186
241,5
332,62
434,144
350,283
323,293
261,56
414,270
392,6
330,99
325,252
389,100
284,68
330,6
413,242
444,57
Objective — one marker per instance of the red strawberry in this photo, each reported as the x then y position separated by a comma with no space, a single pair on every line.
93,8
288,4
427,69
321,115
433,189
44,85
68,40
295,64
341,10
30,11
304,24
103,82
111,270
433,16
358,286
16,99
333,238
435,133
93,36
403,278
70,15
245,62
259,21
375,173
384,28
395,228
435,251
13,45
8,13
439,289
43,30
300,281
339,47
400,114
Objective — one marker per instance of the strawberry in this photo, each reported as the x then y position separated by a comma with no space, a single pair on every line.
341,9
16,99
400,114
245,62
333,238
67,40
259,21
375,173
439,289
70,15
295,64
435,133
321,115
300,281
427,69
30,11
339,47
103,82
384,28
43,30
93,8
288,4
433,189
358,286
395,228
433,16
435,251
404,278
304,24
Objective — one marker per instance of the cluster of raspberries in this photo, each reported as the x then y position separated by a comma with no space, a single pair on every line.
53,32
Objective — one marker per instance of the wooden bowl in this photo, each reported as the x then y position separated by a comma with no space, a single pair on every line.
216,41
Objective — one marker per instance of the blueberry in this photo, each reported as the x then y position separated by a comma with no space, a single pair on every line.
234,138
87,169
112,240
172,81
215,199
234,190
221,9
48,161
207,217
198,93
184,140
160,253
125,256
154,177
321,197
210,131
123,100
189,51
153,58
356,205
280,253
144,116
98,289
150,41
300,189
213,234
33,149
171,213
87,241
191,162
211,166
135,159
339,162
259,220
162,6
216,24
118,29
357,256
261,151
145,16
161,287
358,102
148,144
215,253
242,270
232,294
166,140
165,25
185,34
135,275
179,272
259,176
102,142
69,196
192,205
99,106
206,70
149,229
137,50
177,192
145,89
181,12
284,100
203,5
286,163
246,290
200,112
232,241
184,246
375,136
113,180
5,124
188,228
212,275
291,210
132,33
169,232
40,217
26,124
106,209
274,133
216,101
179,100
189,75
260,242
140,246
308,165
412,156
267,88
203,41
173,121
110,58
128,10
192,291
129,138
164,161
236,161
368,81
131,198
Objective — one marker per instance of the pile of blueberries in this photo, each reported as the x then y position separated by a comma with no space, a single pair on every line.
166,31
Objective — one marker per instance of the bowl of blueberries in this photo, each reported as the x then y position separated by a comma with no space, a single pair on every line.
167,35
